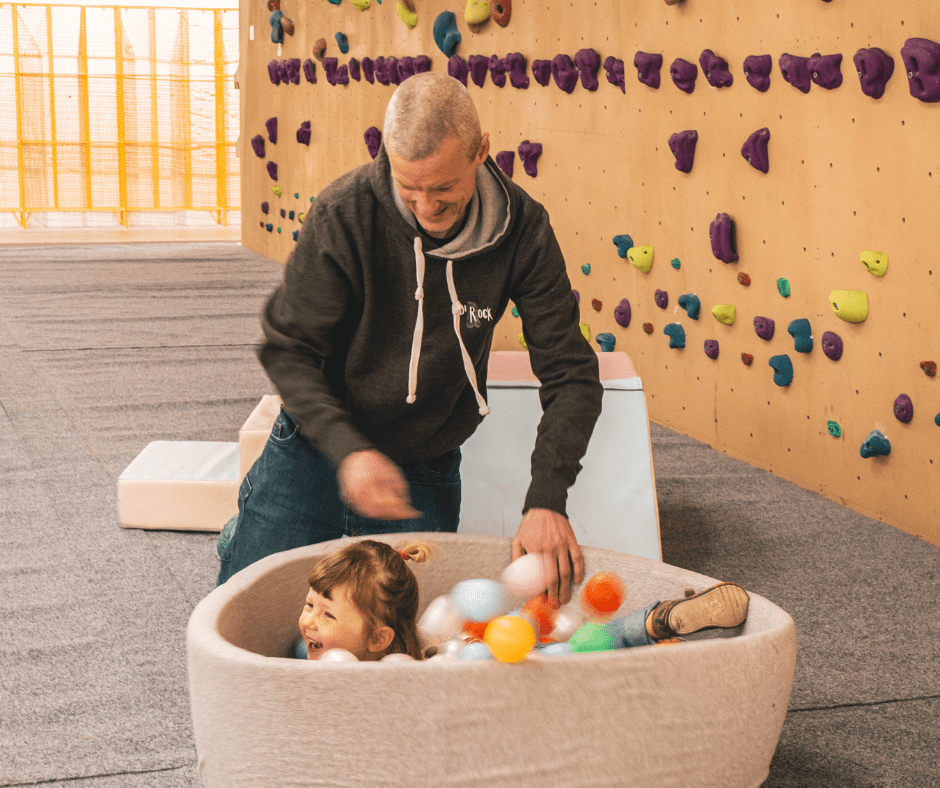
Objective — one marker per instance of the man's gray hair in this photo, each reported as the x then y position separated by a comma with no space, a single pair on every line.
426,110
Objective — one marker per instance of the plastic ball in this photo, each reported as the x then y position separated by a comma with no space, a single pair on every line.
300,650
473,651
478,600
397,658
475,628
543,614
602,594
554,649
591,637
567,622
441,620
338,655
510,638
453,647
525,576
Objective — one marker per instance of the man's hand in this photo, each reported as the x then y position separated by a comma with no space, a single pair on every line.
549,533
374,486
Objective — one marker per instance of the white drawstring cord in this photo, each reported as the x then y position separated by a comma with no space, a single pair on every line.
458,309
419,323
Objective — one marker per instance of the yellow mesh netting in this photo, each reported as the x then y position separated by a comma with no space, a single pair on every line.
116,109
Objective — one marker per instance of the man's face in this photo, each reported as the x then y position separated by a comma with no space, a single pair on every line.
438,189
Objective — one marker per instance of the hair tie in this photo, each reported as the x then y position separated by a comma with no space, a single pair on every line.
404,555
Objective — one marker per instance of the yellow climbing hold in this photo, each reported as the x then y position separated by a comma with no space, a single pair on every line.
586,330
522,341
724,313
276,189
477,12
641,257
300,217
849,305
408,15
875,262
362,5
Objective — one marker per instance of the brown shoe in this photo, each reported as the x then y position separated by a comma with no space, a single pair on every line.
722,606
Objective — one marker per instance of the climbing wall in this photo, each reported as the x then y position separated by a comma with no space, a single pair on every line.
798,356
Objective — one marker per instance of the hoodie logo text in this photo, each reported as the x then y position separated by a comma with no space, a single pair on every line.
475,314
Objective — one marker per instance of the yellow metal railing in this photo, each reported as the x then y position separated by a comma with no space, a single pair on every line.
117,109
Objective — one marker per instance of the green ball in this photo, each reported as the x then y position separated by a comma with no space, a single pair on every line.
591,637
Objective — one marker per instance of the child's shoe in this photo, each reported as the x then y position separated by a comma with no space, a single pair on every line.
722,606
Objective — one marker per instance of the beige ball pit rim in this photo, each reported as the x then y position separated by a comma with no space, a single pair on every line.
704,714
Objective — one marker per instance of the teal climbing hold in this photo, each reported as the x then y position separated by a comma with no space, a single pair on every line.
515,312
691,304
295,234
936,420
802,335
290,215
336,2
875,445
834,429
342,42
624,244
783,370
676,263
606,341
446,34
279,229
269,227
676,335
586,269
783,287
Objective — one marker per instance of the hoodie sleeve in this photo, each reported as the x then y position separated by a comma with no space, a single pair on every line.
565,365
307,322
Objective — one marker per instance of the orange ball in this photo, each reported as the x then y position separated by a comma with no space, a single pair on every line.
542,613
603,593
475,628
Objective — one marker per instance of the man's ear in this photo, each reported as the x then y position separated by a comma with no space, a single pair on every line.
381,639
484,150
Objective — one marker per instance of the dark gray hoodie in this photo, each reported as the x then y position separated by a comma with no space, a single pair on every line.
378,339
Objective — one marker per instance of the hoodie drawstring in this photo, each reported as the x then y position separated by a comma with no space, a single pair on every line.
458,309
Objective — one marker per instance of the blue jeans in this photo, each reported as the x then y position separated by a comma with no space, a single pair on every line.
630,631
290,498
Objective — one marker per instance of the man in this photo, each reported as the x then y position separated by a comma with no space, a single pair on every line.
378,340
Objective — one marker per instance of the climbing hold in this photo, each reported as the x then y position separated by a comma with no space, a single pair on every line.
257,145
747,358
290,215
301,217
647,67
648,328
683,74
292,68
477,14
335,74
623,313
783,370
676,335
661,299
380,70
276,189
682,145
458,69
691,304
272,170
754,150
497,69
676,263
606,341
564,72
802,335
585,331
310,71
624,244
903,408
284,214
501,11
335,2
641,257
875,262
373,138
723,238
744,279
295,235
407,13
834,429
588,62
505,160
269,227
355,72
783,287
586,269
832,345
406,67
757,70
875,67
936,419
930,368
577,296
515,312
516,66
479,67
795,70
825,70
303,133
597,304
875,445
542,71
922,60
529,152
849,305
319,48
271,125
715,69
446,35
368,70
342,42
362,5
764,327
392,75
522,341
711,348
615,73
724,313
265,208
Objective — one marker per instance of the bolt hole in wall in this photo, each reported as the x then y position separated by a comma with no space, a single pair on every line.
612,173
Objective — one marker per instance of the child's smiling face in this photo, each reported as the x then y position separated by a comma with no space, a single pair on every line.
338,623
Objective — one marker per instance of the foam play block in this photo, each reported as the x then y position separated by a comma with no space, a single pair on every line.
180,485
255,431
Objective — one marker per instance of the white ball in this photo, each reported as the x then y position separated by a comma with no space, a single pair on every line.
441,621
397,658
525,576
567,622
452,647
338,655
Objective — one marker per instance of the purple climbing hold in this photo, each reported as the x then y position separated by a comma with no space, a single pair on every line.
588,62
293,70
271,125
764,327
380,70
903,409
479,66
368,70
875,67
458,69
330,65
682,145
623,313
273,73
303,133
282,71
755,150
272,170
265,207
683,74
922,61
826,70
715,69
505,160
529,152
391,70
832,345
497,69
711,348
564,72
615,73
516,66
661,298
257,145
355,71
373,138
647,67
310,71
757,70
723,238
542,71
795,70
577,296
406,68
422,64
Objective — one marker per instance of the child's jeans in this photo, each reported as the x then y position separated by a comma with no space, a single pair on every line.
290,498
631,630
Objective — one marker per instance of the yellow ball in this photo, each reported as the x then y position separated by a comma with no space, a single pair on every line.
509,638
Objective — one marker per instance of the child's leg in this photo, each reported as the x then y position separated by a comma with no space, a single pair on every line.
723,606
631,631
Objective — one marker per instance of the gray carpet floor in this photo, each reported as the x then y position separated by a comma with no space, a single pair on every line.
106,348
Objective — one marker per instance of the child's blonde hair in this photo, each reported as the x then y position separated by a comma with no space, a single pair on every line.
381,586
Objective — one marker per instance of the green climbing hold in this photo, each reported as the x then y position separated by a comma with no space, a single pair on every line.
834,429
586,269
515,312
784,287
676,263
278,229
296,195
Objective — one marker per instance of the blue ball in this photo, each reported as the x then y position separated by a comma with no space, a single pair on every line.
300,650
474,651
478,600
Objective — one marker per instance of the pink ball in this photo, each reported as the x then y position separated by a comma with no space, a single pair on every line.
525,576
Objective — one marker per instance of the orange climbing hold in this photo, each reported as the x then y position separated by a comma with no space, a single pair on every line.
930,368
